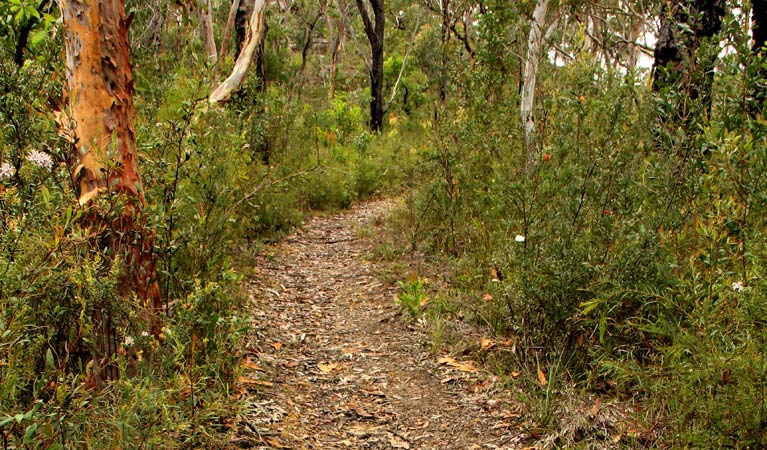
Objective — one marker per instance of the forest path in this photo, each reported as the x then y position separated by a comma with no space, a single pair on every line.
333,365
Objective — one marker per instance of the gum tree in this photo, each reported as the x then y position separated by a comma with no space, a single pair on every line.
374,29
100,119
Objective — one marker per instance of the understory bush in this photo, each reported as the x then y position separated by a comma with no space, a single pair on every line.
625,252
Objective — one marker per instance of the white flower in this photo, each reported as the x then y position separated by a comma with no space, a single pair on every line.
519,238
40,159
401,13
738,286
6,170
128,341
145,333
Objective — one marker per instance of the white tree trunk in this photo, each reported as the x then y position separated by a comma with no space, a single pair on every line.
205,14
534,47
225,90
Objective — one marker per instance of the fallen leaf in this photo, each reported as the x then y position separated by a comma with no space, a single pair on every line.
327,367
542,377
487,297
362,429
486,344
247,380
248,364
397,442
516,373
358,410
480,386
595,409
277,345
275,443
506,342
462,366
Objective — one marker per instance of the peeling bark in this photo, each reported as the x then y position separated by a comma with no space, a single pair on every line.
102,116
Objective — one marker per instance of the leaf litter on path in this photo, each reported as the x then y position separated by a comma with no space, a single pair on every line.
332,367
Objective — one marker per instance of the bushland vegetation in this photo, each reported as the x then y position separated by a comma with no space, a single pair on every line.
590,176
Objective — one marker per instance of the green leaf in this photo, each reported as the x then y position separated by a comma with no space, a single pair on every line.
37,37
49,362
6,420
30,434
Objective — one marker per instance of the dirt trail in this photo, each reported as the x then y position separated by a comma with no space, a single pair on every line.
332,364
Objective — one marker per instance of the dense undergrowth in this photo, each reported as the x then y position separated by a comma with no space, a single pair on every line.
217,181
616,254
622,255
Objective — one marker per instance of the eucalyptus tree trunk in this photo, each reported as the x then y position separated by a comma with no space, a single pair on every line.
101,115
534,48
336,33
205,15
255,34
374,29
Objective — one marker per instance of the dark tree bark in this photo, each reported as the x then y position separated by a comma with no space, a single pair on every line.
260,57
375,33
759,24
759,33
681,62
21,44
244,12
308,39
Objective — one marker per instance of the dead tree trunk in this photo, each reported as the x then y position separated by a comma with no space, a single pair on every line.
102,116
375,33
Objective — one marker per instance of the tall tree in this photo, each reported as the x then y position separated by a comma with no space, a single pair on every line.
375,32
205,15
228,28
255,34
534,48
759,33
336,33
101,111
682,60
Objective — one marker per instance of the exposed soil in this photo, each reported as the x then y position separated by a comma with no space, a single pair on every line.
333,364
